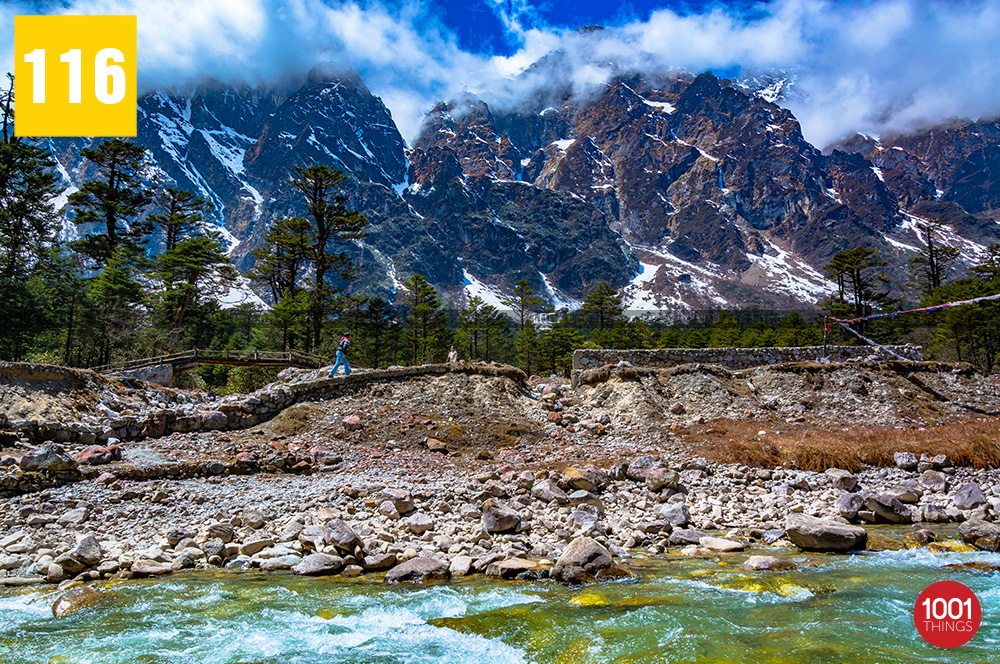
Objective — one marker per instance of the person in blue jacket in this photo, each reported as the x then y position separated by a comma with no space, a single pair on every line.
345,343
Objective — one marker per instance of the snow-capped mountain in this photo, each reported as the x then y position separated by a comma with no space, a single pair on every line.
688,191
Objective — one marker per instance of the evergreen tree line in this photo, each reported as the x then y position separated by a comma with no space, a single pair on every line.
144,275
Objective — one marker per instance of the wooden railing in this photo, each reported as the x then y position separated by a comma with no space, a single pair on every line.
198,356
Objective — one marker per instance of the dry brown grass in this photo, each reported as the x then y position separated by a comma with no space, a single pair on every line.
973,442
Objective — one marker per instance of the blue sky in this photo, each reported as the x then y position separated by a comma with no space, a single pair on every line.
859,65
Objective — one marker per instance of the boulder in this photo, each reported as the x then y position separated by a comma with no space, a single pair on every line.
183,561
401,499
980,534
69,564
889,508
720,544
842,479
676,514
144,568
319,564
660,478
98,455
683,537
87,550
460,566
767,564
905,460
907,491
640,467
74,517
214,420
578,479
933,480
222,531
343,536
352,423
581,497
548,491
968,496
499,517
78,598
418,570
585,560
811,533
314,537
849,504
280,563
419,523
50,458
512,568
256,546
378,562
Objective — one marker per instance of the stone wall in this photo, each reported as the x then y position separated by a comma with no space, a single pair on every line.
733,358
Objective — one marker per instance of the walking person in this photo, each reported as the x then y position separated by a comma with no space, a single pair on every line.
345,343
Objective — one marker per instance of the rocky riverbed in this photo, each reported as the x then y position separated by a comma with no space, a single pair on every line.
463,473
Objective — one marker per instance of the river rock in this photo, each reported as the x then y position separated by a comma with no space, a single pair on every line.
256,546
512,568
639,467
933,480
889,508
907,491
144,568
905,460
585,560
378,562
842,479
933,514
54,573
314,537
222,531
685,536
74,517
849,504
279,563
581,497
578,479
460,566
352,423
767,564
968,496
183,561
548,491
319,564
811,533
87,550
980,534
401,499
419,523
660,478
343,537
720,544
76,599
676,514
499,517
418,570
50,457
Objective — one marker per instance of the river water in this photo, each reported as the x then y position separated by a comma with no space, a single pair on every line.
830,610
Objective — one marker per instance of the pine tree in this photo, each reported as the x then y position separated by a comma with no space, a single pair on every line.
930,267
27,231
523,302
860,285
113,200
427,326
602,306
333,225
279,264
180,215
196,269
557,346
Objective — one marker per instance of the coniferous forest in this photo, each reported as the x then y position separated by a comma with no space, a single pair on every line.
144,273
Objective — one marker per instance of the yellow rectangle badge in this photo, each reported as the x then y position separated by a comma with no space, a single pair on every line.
75,75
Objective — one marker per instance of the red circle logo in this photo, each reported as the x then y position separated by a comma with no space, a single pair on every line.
947,614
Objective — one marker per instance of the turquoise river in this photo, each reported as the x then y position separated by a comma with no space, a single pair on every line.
843,609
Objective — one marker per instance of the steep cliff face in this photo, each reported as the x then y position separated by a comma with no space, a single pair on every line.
688,191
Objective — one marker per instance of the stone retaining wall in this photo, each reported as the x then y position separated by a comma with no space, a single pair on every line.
732,358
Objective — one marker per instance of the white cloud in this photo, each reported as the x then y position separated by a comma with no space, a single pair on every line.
873,66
